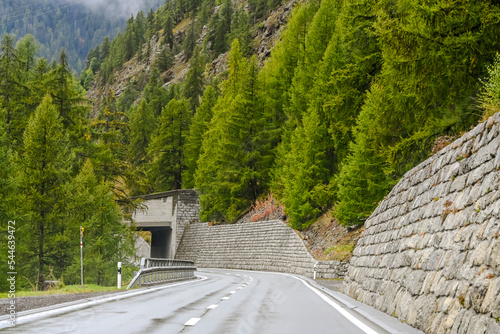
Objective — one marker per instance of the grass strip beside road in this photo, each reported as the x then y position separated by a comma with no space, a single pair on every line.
68,289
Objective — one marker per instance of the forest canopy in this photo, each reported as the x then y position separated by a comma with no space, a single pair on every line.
353,95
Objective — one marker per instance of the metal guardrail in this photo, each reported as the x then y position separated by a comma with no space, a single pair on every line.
156,271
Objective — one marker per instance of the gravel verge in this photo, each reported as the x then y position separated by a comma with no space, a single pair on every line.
29,303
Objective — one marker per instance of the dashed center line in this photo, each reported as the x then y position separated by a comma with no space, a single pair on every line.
192,322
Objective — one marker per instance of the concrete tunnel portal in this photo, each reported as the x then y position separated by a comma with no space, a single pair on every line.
161,241
165,215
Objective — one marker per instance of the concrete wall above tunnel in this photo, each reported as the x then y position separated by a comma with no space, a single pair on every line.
165,215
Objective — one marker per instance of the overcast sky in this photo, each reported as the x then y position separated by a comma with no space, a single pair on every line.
121,7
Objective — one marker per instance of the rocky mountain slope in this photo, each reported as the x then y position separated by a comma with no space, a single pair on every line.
137,71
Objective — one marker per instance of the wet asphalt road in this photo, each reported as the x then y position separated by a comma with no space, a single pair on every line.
225,301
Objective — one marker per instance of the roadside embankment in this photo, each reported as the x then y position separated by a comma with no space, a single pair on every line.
430,252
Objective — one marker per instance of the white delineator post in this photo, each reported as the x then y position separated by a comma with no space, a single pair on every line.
119,280
81,253
314,276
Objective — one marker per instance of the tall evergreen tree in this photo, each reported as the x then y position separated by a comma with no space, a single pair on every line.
230,169
167,146
168,31
193,84
10,88
307,171
431,57
197,131
43,166
142,126
110,128
165,59
8,194
107,239
190,40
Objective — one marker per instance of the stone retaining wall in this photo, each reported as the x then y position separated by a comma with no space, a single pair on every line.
188,211
331,269
430,254
267,246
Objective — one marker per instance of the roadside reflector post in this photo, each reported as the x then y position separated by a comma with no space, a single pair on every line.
119,280
81,253
314,276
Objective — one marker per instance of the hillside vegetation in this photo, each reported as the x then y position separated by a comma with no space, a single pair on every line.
76,26
352,95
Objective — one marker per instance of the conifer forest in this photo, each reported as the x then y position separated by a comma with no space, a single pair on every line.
353,94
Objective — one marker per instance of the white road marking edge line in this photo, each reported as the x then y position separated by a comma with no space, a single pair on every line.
336,306
29,317
192,321
339,308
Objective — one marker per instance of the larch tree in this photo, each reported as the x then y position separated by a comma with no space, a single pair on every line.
106,239
229,174
43,172
167,146
197,130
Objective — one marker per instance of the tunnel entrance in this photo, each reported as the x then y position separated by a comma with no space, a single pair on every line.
161,239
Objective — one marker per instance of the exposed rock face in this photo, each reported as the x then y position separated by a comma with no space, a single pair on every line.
130,72
266,35
430,253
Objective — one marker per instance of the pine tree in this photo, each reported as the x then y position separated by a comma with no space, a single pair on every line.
7,184
168,34
106,44
156,96
8,194
10,89
205,11
190,40
240,29
197,131
351,61
318,35
27,47
363,181
220,25
165,59
230,170
43,166
277,77
193,84
106,239
130,38
66,94
307,171
142,126
167,146
110,128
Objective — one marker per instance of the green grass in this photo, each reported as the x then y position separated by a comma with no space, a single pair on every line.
340,252
68,289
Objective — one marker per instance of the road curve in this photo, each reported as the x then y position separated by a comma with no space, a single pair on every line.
221,301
